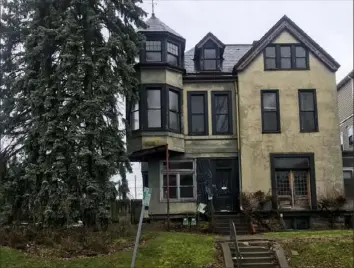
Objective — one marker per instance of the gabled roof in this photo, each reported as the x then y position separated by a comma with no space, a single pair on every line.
211,37
287,24
155,25
345,80
232,54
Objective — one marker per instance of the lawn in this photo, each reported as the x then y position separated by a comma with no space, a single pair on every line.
325,249
167,249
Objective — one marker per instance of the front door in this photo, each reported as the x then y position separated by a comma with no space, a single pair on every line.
225,181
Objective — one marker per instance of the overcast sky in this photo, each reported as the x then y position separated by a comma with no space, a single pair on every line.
329,23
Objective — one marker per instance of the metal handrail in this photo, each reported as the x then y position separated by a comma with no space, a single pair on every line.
233,237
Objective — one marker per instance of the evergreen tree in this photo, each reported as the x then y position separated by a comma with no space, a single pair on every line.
14,113
72,77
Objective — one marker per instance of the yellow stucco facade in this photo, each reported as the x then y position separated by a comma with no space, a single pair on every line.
256,147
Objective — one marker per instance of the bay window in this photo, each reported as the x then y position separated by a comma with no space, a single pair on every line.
181,181
154,108
172,53
153,51
159,109
174,110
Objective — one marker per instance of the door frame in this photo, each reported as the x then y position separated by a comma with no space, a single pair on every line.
311,158
234,183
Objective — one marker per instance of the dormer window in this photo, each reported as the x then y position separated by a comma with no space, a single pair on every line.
209,59
153,51
208,54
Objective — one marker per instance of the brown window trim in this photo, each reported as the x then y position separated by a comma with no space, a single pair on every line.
293,57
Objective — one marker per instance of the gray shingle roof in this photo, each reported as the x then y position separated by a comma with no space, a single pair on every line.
155,25
232,54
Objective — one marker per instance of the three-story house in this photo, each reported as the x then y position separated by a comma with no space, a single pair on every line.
221,119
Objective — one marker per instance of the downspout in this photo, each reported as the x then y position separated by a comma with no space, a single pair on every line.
238,130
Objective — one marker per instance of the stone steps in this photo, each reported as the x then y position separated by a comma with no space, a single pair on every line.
254,254
221,223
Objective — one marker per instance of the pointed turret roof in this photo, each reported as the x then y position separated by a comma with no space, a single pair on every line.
155,25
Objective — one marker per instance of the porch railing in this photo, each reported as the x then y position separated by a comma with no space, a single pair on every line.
233,236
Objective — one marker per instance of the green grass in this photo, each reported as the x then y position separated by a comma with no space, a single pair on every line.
172,249
325,249
311,234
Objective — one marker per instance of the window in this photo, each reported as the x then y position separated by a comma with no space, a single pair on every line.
134,119
172,53
197,113
270,111
222,113
182,182
153,51
209,59
300,57
174,110
270,58
308,110
159,108
347,174
348,183
350,135
286,57
154,108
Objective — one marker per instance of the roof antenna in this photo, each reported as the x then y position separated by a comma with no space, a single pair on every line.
153,8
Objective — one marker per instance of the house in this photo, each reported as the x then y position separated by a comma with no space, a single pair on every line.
221,119
345,89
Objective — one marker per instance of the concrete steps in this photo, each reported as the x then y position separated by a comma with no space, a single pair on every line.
221,224
255,254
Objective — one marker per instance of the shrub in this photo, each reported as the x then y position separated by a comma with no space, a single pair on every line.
330,205
252,204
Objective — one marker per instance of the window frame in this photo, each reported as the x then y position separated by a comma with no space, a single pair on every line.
135,111
178,92
210,59
146,90
169,53
164,38
177,173
313,91
214,95
160,51
292,57
164,107
190,94
265,91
